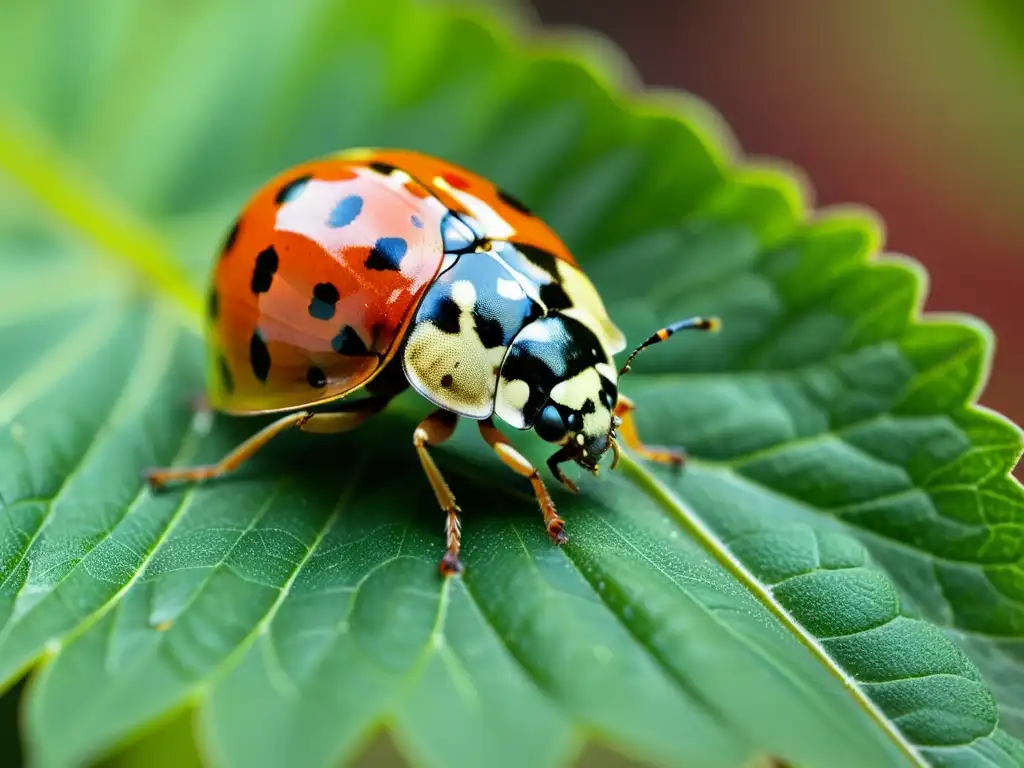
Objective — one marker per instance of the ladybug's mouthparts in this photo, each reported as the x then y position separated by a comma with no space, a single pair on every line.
590,461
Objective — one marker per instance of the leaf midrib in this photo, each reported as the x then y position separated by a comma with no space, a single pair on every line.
33,161
696,527
82,204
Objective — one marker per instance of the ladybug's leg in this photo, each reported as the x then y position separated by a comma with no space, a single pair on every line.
518,463
338,421
627,431
434,430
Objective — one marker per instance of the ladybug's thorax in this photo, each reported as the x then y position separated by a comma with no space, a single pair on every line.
508,328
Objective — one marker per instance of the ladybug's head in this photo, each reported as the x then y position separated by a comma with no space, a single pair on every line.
558,379
580,416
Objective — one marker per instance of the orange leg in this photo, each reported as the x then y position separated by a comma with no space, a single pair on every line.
627,431
518,463
434,430
339,421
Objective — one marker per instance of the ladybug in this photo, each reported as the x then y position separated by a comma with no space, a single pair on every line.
381,269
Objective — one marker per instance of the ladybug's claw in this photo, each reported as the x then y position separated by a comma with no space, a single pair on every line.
556,530
677,459
450,564
568,483
152,478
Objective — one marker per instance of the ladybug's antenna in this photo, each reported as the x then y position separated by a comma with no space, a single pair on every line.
693,323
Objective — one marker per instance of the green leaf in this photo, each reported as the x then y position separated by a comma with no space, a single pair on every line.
834,580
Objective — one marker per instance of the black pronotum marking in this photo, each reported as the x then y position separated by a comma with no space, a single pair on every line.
316,378
225,374
543,364
554,296
387,253
514,202
325,296
348,343
263,272
259,356
551,292
292,188
609,393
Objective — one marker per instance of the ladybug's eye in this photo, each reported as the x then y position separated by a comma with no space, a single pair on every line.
456,235
549,425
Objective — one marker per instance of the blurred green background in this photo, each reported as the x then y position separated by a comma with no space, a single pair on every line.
912,107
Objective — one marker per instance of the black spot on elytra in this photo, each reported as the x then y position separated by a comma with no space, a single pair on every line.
259,356
385,168
229,241
316,378
447,380
292,188
325,296
263,272
348,343
554,296
489,331
513,202
387,253
447,315
588,407
376,331
225,374
213,304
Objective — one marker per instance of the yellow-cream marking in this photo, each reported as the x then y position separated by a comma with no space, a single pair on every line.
511,400
574,392
607,371
434,358
494,226
587,304
510,289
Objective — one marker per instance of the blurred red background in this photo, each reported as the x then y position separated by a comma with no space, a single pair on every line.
914,108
